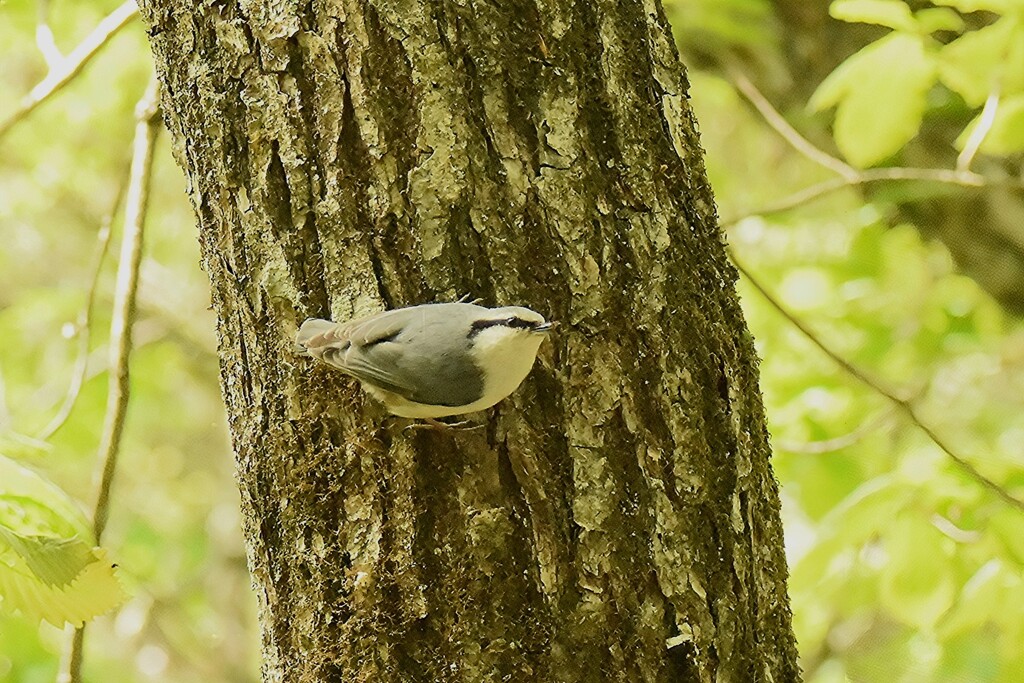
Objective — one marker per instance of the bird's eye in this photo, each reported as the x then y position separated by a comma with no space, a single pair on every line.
512,322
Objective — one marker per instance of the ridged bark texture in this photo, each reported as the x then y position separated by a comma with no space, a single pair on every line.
616,519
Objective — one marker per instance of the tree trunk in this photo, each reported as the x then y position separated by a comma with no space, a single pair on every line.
617,519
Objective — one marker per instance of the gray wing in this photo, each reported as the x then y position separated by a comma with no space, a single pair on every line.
419,353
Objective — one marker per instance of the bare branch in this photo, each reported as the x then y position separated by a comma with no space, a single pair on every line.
71,663
782,127
84,324
69,67
988,117
136,203
904,405
147,124
44,35
850,176
874,175
948,528
840,442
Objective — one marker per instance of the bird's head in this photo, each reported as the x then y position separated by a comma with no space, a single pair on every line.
507,335
510,321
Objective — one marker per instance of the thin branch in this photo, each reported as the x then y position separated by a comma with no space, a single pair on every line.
905,406
71,663
849,176
797,199
136,203
62,73
44,35
147,124
874,175
985,121
947,527
839,442
27,441
84,324
790,134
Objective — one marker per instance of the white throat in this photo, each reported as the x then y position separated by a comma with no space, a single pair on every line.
506,356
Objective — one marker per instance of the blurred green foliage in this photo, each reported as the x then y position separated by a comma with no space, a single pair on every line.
903,568
880,108
174,528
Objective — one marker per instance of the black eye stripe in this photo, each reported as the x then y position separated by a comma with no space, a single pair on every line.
506,322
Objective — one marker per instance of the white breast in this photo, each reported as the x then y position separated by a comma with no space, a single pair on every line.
508,355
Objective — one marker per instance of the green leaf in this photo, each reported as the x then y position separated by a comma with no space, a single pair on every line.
49,568
880,97
30,504
892,13
54,561
997,6
938,19
917,586
981,597
94,591
973,64
1008,528
860,517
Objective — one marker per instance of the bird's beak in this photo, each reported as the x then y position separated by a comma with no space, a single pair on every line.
544,328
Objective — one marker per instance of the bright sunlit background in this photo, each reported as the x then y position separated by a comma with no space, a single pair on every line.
905,567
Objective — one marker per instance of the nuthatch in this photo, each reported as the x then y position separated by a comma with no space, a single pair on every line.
433,360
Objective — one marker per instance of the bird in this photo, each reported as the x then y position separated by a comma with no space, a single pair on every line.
432,360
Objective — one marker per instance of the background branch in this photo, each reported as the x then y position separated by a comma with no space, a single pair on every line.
850,176
84,323
839,442
904,406
136,202
985,121
44,35
774,119
69,67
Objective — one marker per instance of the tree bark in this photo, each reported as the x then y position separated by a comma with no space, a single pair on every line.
617,518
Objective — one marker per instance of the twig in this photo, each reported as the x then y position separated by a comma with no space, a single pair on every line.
985,121
27,441
837,443
947,527
69,67
84,324
147,124
782,127
874,175
71,663
44,35
849,176
901,403
136,203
